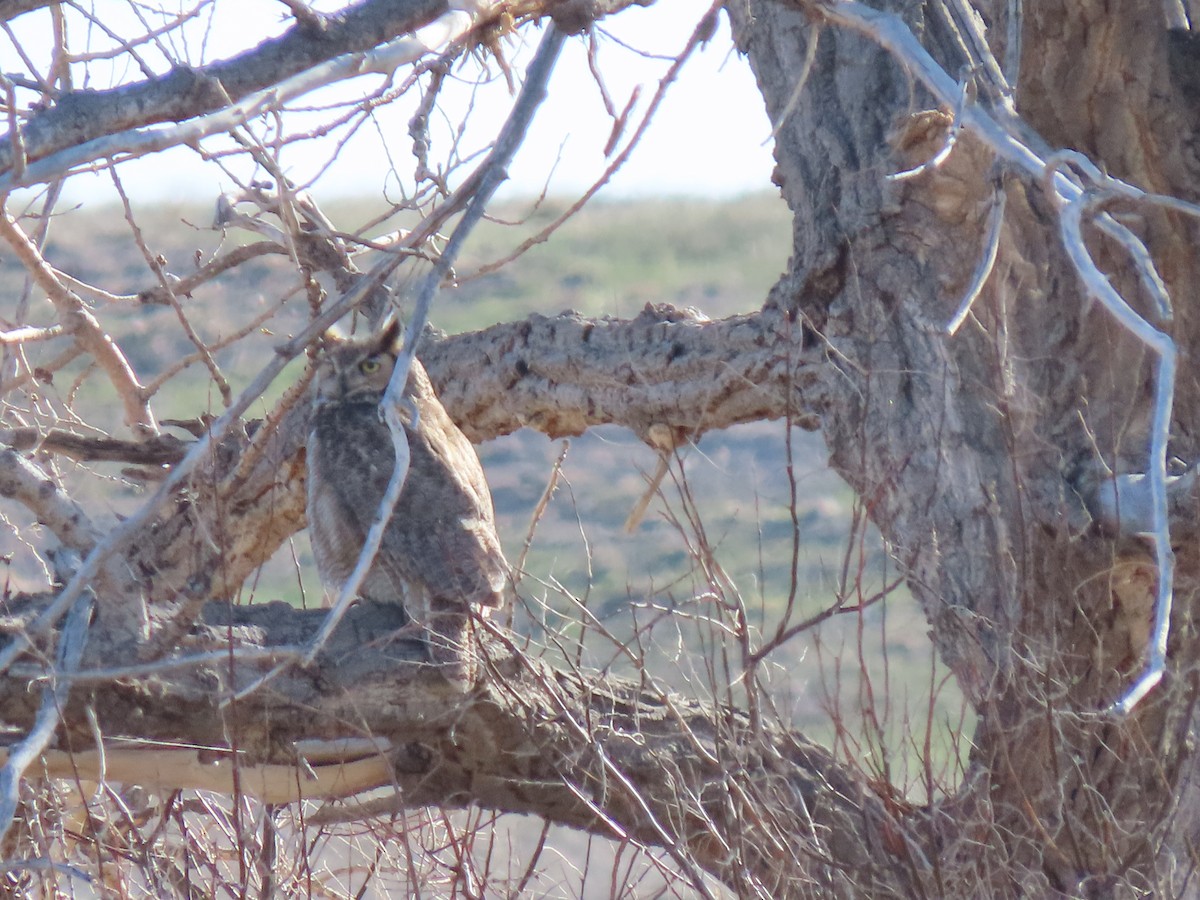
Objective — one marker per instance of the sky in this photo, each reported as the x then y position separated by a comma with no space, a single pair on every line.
708,139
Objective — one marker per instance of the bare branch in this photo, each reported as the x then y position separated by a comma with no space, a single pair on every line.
158,295
10,9
160,450
145,139
22,481
82,116
80,322
162,768
29,334
564,374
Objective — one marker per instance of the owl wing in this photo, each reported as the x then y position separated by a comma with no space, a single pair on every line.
351,461
447,508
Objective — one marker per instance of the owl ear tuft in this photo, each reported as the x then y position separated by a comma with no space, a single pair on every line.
389,338
330,338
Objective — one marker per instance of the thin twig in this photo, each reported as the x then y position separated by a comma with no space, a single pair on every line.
811,42
42,372
634,519
153,386
539,510
183,286
983,271
156,267
14,126
665,82
672,844
967,24
1012,42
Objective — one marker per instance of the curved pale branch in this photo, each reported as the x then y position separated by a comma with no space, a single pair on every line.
79,321
24,482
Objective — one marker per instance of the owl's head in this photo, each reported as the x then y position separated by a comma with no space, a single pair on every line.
352,371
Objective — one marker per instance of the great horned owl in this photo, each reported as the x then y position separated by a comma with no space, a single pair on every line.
440,557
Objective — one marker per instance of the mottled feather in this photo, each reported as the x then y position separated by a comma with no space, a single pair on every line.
440,556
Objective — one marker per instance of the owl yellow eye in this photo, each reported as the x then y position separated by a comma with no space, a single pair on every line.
370,366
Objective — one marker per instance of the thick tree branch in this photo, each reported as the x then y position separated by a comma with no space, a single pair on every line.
743,799
10,9
665,371
159,450
83,116
183,93
563,374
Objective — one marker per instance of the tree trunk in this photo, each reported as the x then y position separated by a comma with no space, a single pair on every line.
969,450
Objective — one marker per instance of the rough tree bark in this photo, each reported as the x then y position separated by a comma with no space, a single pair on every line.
969,450
976,454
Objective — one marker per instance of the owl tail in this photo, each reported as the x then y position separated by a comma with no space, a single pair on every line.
450,641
